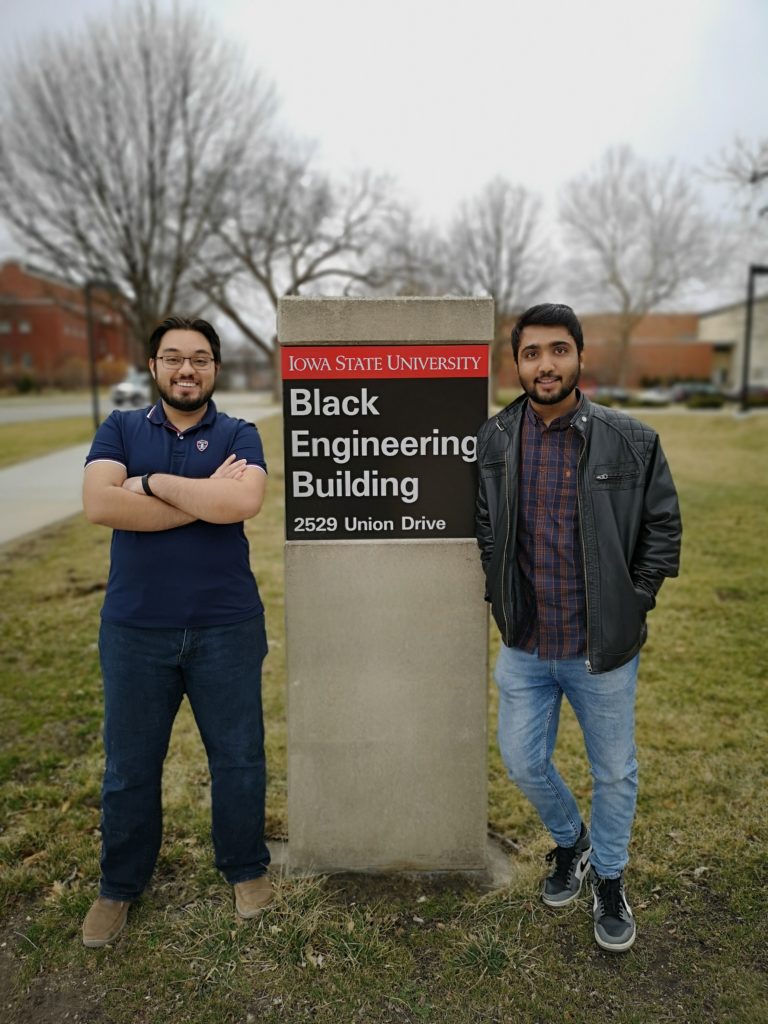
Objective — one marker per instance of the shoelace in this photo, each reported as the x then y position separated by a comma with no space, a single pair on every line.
609,895
564,856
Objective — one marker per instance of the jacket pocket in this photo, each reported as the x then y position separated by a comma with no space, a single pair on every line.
623,610
492,469
616,476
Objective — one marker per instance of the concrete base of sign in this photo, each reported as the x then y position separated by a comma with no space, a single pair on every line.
500,869
387,676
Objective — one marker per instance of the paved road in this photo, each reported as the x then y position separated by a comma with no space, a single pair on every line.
28,409
43,491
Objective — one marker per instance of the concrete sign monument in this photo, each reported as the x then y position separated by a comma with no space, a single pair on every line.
386,628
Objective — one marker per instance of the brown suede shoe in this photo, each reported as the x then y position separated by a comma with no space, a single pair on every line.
104,922
252,896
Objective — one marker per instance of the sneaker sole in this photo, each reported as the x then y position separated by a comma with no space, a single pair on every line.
615,947
581,873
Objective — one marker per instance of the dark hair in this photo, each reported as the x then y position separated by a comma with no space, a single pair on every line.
548,314
185,323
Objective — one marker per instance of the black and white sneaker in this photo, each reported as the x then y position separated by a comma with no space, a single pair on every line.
571,865
614,924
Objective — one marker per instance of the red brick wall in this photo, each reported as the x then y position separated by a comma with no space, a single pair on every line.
43,330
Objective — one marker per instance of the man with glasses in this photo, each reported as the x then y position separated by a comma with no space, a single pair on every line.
182,616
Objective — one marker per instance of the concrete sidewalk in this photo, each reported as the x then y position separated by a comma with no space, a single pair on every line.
43,491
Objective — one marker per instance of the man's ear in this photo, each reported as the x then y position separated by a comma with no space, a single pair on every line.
151,365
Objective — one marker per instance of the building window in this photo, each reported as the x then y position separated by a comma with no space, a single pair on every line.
5,326
7,360
25,327
26,360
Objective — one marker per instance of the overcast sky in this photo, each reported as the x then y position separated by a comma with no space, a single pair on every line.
444,94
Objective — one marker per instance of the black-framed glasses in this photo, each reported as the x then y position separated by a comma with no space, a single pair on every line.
173,362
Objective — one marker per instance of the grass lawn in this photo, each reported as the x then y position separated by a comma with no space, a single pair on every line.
396,950
21,441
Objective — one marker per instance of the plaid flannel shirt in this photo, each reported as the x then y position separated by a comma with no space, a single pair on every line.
552,620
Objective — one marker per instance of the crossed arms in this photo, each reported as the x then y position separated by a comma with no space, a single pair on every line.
111,498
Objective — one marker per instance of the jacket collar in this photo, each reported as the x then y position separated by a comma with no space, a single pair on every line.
511,415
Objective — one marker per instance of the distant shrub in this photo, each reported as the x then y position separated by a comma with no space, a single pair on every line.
111,371
25,382
71,374
704,402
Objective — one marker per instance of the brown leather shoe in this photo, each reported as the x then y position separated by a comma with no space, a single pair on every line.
104,922
252,896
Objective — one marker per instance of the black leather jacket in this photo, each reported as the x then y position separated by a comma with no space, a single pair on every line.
629,522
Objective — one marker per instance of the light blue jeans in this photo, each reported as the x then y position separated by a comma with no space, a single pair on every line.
530,696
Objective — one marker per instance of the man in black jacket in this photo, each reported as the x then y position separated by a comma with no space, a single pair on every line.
578,525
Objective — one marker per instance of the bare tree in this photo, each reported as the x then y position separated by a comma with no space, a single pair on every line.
116,146
637,237
746,166
743,168
495,247
412,256
289,229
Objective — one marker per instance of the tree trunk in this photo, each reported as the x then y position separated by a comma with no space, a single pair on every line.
277,381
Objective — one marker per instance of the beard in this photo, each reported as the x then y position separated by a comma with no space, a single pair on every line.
183,404
567,386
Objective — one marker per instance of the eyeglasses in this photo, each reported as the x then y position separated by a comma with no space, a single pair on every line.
173,362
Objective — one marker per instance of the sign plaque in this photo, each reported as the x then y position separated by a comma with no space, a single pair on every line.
380,440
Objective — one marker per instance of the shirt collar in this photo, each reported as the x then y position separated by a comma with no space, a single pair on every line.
156,415
561,423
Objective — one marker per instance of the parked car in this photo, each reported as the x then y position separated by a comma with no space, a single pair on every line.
757,394
654,396
610,395
689,388
134,390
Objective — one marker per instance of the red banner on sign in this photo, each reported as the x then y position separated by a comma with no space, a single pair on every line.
366,362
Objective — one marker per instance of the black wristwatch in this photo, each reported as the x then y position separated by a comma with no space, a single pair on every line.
145,484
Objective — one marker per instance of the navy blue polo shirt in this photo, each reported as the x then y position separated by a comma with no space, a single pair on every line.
194,575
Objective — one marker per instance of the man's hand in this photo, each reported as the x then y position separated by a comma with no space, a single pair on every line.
231,468
133,484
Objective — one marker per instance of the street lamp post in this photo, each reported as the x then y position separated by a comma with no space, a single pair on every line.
91,285
754,270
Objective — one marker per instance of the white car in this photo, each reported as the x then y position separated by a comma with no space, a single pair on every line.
135,390
655,396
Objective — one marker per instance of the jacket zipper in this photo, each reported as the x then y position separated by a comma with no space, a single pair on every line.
583,546
504,596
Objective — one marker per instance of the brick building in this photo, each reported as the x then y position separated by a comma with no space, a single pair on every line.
664,347
44,335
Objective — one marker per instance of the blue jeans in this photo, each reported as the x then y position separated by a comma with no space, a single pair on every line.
530,696
146,673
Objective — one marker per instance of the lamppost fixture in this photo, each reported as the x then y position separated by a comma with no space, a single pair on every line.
103,285
754,270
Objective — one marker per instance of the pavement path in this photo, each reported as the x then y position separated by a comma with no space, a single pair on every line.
43,491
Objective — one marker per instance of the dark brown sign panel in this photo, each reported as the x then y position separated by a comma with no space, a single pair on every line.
380,440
